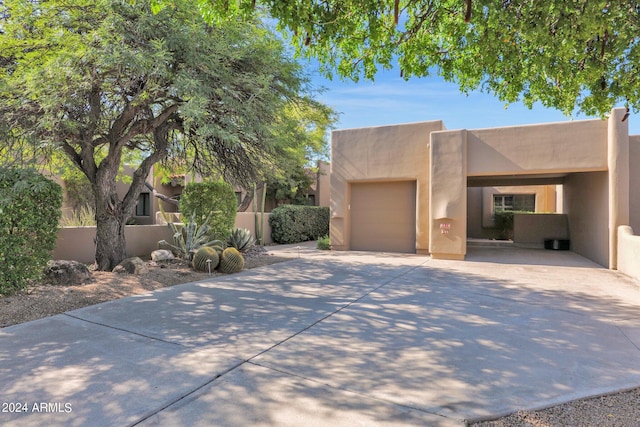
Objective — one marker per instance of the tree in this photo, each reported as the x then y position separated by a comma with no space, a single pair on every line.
580,54
102,80
308,124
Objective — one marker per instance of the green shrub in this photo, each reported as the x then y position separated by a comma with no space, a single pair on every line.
82,217
293,224
324,244
30,207
213,203
503,222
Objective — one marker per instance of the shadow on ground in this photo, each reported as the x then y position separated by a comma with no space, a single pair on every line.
332,341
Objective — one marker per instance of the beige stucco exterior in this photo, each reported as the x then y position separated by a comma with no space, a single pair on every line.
380,154
579,168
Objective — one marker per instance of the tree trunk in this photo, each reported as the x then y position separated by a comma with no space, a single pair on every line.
246,202
110,241
111,218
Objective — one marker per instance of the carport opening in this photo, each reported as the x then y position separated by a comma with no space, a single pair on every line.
570,206
495,206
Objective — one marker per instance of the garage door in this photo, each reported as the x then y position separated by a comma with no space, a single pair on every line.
383,216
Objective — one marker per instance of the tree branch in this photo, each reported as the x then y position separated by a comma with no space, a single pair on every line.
160,195
467,14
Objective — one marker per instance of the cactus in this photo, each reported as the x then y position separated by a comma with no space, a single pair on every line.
231,261
240,238
204,254
218,245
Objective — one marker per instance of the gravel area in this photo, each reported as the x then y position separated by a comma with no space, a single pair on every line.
613,410
44,299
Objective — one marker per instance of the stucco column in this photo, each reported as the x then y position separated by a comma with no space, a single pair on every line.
618,165
448,194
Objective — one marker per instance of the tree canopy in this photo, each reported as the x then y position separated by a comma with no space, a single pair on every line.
101,81
579,55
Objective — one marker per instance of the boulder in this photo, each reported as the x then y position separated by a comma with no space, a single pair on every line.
131,266
162,255
67,273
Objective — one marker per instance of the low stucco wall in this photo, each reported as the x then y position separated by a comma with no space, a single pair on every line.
531,230
628,252
634,182
247,220
77,243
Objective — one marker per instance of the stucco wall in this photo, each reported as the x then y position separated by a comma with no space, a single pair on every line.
247,220
545,199
628,252
480,206
544,148
448,194
77,243
634,182
530,230
586,203
474,216
385,153
323,186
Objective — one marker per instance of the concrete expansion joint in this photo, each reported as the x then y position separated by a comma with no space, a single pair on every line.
629,339
124,330
185,395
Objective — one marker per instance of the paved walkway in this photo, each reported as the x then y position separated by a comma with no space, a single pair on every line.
333,339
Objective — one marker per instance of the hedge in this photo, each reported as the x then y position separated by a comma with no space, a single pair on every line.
30,208
294,223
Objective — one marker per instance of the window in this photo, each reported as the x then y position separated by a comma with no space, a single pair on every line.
514,202
143,208
239,197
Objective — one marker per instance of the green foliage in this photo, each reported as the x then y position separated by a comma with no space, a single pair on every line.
104,82
78,191
581,54
213,203
324,243
29,214
241,239
291,187
188,238
82,217
231,261
503,221
206,259
293,224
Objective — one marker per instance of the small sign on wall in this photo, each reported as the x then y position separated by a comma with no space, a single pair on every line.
445,227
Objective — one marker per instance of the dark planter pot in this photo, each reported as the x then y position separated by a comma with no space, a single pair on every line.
557,244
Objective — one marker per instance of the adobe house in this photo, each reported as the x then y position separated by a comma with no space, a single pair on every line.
421,188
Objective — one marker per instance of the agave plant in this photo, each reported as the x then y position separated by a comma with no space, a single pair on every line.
187,238
241,239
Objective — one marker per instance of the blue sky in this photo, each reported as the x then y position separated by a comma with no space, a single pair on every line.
392,100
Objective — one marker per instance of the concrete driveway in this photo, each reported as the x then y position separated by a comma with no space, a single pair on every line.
333,339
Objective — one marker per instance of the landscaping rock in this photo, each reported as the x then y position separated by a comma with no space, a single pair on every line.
131,266
162,255
67,273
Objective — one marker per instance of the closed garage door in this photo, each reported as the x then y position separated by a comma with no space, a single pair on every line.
383,216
